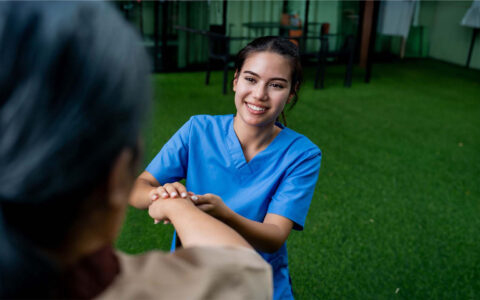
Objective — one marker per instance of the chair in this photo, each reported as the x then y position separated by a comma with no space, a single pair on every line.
218,49
293,31
346,53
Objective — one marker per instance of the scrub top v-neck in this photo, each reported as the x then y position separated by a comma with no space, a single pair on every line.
238,157
280,179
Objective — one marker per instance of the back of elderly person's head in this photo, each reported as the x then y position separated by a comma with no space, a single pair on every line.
73,90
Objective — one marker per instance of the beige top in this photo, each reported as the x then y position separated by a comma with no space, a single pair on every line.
192,273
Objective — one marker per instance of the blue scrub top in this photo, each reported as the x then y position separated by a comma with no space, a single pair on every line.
280,179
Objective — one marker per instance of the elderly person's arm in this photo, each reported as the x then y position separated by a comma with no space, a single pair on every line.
194,227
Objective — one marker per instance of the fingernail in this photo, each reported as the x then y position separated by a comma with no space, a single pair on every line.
165,195
156,221
173,195
165,222
184,195
194,198
154,196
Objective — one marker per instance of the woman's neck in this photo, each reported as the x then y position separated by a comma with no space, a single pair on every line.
254,139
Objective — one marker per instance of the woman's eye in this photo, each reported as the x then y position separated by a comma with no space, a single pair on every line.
250,79
276,85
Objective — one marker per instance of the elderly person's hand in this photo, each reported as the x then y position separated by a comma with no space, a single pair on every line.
161,208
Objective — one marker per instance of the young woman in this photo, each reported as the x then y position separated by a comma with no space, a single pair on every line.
247,170
73,92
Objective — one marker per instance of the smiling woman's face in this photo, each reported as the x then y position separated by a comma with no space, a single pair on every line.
262,88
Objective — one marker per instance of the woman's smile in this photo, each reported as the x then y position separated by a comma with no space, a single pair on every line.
255,109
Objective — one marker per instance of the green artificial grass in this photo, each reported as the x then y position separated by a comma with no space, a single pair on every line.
396,209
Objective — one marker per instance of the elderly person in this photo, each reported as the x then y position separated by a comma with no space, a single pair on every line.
73,92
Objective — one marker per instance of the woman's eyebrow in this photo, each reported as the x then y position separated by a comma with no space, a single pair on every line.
274,78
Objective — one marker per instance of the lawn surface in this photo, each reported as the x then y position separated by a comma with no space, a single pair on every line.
396,211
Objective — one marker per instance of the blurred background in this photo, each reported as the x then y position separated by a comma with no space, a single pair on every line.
411,29
392,97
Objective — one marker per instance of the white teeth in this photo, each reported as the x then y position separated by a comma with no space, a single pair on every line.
257,108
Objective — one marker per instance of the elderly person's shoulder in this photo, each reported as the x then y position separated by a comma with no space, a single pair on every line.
193,273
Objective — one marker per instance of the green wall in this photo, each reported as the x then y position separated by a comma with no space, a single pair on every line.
449,41
148,18
438,34
240,12
324,12
215,11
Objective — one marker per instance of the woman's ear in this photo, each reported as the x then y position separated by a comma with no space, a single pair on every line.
293,93
290,98
121,179
235,80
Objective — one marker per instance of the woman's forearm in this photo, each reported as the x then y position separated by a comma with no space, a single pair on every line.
139,197
266,237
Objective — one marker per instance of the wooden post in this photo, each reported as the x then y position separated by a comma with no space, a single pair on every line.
372,37
366,31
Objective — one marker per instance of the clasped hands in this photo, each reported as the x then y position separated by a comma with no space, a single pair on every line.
163,196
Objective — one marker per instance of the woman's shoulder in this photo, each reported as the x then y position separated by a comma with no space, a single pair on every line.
300,144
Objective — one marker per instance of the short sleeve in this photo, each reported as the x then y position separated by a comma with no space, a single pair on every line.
193,273
170,164
294,194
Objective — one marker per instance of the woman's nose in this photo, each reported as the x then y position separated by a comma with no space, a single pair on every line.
260,92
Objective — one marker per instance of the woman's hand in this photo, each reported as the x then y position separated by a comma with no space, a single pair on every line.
169,190
213,205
